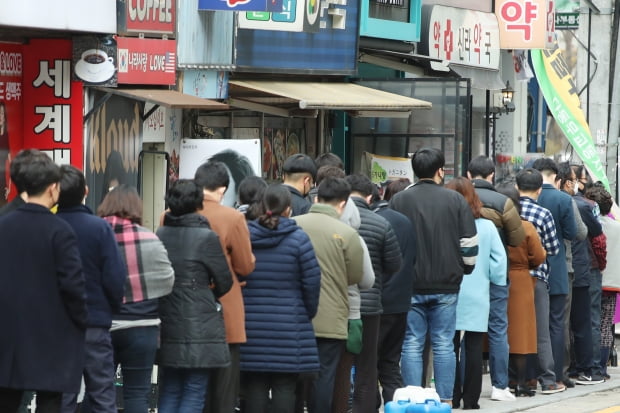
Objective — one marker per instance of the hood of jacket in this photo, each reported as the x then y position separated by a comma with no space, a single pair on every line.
262,237
185,220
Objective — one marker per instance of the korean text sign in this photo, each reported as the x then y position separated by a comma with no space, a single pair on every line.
526,24
464,37
52,101
146,61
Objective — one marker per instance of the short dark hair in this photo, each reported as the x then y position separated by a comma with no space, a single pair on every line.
329,171
545,164
511,192
601,196
328,159
481,166
426,162
238,164
212,175
529,179
333,190
564,173
275,201
124,202
361,184
37,173
395,187
299,164
184,197
23,157
72,187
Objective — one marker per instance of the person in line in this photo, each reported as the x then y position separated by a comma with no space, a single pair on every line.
529,185
281,297
193,338
150,276
502,212
230,226
299,173
560,206
386,258
105,274
521,309
611,273
239,168
443,219
20,159
250,196
43,295
327,159
396,294
340,256
474,301
582,366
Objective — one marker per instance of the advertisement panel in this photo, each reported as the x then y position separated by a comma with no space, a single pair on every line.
52,102
11,71
94,60
304,38
146,61
387,168
464,37
526,24
241,5
147,17
206,84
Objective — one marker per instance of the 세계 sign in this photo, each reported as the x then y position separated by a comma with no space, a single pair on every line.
460,36
146,17
146,61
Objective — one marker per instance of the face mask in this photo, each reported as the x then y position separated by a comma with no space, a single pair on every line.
575,188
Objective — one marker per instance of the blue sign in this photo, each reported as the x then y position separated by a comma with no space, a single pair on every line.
307,36
241,5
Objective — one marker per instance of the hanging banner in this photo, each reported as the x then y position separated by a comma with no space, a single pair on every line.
560,92
387,168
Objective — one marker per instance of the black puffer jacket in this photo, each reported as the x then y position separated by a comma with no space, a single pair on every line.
384,253
192,325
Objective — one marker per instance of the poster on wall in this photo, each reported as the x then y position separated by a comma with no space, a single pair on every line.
381,169
11,67
52,102
279,144
114,143
241,156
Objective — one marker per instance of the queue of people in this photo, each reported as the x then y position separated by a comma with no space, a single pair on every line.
318,293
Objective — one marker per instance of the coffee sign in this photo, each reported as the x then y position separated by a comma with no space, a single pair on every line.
146,61
149,17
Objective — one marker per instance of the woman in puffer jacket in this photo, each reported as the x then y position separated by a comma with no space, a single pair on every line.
281,298
193,338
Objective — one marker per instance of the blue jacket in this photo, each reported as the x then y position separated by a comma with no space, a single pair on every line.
561,207
281,297
474,302
582,261
104,269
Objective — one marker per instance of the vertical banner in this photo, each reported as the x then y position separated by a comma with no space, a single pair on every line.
52,102
11,67
560,92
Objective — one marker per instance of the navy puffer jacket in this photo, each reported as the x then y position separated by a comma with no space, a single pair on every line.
281,298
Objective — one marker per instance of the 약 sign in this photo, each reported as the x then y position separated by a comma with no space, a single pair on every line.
528,24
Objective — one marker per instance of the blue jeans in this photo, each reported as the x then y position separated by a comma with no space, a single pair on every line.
596,288
182,390
134,350
498,336
435,314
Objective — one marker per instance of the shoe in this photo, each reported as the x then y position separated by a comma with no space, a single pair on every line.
553,388
593,379
532,384
502,395
524,391
568,383
607,376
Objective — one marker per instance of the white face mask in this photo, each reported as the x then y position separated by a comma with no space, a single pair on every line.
575,188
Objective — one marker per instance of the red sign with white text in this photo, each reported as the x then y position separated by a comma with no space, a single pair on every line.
52,102
146,61
150,16
11,69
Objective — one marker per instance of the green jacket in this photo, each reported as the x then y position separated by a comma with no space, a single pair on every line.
340,255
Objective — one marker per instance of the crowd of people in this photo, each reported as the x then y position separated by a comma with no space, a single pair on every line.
323,293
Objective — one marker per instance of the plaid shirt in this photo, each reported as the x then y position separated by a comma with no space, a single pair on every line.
542,220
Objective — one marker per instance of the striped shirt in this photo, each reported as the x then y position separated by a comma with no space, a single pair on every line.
542,220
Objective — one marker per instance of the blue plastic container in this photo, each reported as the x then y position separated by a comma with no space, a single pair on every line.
430,406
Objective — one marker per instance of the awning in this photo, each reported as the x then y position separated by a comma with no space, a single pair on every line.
480,78
288,98
168,98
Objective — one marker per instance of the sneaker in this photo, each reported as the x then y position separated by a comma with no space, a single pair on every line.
569,383
502,395
593,379
553,388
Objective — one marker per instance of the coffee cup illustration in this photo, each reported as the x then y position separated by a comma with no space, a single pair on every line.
95,57
95,66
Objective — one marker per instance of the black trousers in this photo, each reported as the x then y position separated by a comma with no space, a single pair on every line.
321,389
256,387
582,330
391,337
469,366
223,392
47,402
365,393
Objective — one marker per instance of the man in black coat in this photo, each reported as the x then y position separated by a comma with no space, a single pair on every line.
42,296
